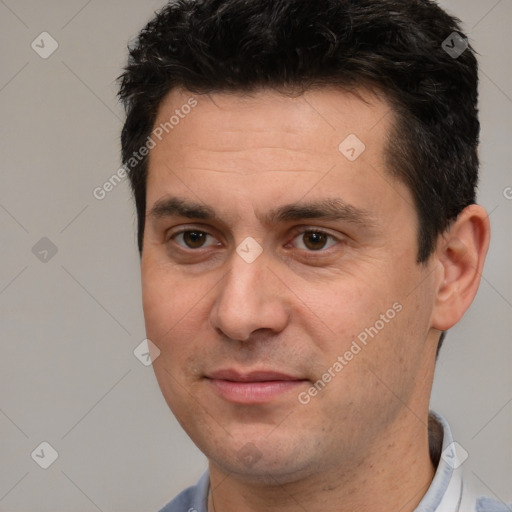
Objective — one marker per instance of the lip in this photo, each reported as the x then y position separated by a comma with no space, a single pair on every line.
254,376
256,387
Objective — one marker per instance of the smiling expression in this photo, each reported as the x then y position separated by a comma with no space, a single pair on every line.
266,252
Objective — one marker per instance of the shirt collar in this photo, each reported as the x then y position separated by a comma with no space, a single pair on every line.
445,491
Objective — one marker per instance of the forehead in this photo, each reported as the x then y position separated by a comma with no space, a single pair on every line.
270,148
312,125
319,117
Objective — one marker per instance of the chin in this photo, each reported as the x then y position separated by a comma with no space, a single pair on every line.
263,462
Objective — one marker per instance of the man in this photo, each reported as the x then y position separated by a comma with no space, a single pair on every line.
304,175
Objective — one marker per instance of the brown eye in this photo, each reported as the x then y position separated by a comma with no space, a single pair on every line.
314,240
192,239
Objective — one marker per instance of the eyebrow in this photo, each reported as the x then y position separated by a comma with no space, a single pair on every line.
328,209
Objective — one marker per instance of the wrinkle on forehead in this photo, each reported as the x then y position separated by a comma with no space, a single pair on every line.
249,173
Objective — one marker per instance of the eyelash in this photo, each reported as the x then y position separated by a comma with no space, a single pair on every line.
295,235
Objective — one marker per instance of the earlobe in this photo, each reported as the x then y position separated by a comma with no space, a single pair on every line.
460,253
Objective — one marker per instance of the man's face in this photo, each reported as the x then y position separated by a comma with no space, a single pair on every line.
309,354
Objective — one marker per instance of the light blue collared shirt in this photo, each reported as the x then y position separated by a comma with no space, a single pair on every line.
446,493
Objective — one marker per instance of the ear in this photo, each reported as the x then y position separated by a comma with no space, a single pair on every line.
460,255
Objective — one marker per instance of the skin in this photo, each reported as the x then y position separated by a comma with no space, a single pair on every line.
361,443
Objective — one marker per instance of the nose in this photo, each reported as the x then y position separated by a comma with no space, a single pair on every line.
250,298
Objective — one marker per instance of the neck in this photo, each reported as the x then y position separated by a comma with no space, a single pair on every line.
394,474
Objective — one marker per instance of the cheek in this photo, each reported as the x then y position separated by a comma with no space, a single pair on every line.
342,308
169,304
370,324
174,316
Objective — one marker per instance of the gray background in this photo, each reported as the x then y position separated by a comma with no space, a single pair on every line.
69,325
